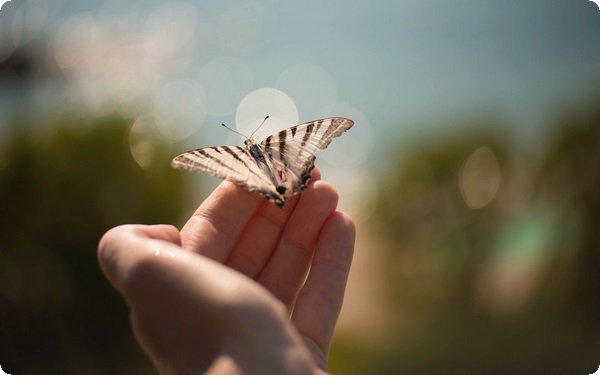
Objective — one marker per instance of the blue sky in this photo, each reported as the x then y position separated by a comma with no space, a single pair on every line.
403,61
398,62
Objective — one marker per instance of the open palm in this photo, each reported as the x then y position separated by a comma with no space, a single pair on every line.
245,287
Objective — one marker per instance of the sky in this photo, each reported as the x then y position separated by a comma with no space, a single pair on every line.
398,68
396,61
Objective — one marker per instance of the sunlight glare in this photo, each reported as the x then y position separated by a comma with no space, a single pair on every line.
480,178
179,109
263,102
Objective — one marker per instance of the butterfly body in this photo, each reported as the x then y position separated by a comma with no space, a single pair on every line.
277,168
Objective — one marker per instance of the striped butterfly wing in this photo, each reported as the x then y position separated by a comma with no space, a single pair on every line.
277,168
292,150
227,162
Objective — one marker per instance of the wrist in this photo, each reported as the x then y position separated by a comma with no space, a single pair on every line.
262,340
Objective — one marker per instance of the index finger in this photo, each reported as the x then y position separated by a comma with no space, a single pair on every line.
215,226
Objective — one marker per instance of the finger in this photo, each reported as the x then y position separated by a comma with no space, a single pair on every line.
187,310
320,300
137,259
157,279
286,269
260,237
215,226
122,246
315,175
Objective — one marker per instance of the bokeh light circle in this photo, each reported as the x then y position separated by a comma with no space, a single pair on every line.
480,178
170,27
271,102
356,187
73,40
144,142
179,109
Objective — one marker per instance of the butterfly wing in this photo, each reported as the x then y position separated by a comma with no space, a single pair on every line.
277,168
292,150
229,162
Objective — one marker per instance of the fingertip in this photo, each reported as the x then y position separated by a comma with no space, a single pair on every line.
108,251
122,247
108,243
110,240
343,222
315,175
325,193
338,238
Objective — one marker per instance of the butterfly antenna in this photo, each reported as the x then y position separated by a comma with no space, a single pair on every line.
236,132
261,124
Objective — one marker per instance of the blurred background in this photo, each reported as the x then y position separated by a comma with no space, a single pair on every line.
473,170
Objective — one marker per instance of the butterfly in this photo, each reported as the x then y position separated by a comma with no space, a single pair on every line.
277,168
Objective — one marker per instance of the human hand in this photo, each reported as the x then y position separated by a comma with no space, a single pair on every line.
218,296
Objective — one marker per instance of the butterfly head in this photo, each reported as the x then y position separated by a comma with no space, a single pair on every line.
249,142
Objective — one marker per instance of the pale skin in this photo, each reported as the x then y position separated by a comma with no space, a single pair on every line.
244,288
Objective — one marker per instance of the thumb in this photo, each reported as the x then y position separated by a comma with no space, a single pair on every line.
121,248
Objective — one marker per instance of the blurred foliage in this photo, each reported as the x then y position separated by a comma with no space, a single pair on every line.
59,192
509,288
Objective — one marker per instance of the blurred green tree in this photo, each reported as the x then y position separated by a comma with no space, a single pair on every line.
570,177
511,286
59,192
